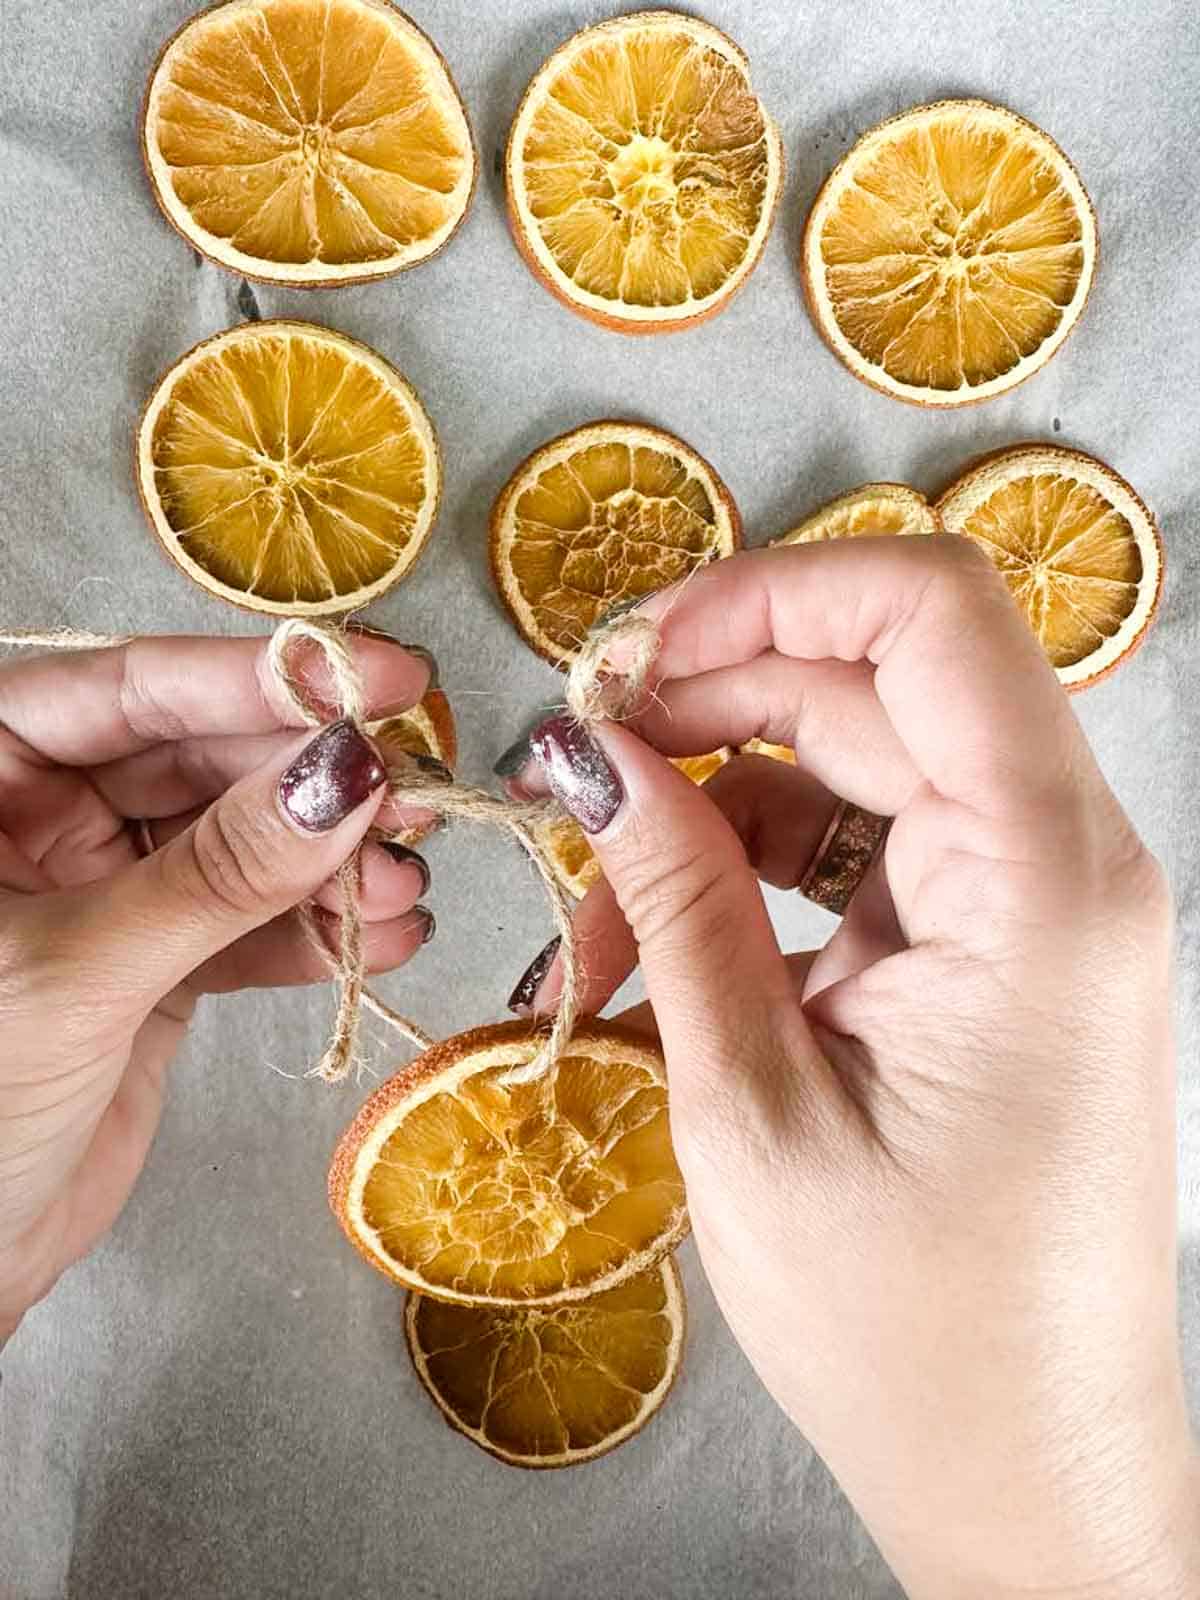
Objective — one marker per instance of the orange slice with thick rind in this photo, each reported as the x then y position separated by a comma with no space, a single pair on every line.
871,510
643,172
950,253
566,845
307,142
456,1182
289,469
552,1386
1077,548
603,515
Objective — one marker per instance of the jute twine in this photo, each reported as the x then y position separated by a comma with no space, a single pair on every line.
595,692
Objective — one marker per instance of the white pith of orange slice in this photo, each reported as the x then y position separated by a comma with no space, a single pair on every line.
643,172
604,514
307,142
950,253
552,1386
289,469
456,1182
1076,545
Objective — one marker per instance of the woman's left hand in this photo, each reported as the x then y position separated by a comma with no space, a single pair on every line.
160,818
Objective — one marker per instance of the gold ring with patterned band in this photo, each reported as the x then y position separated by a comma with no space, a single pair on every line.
851,842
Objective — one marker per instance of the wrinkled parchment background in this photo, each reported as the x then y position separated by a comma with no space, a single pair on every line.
218,1404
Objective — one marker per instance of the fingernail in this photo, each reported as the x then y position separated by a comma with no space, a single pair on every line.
427,656
330,778
579,772
530,981
513,759
435,768
430,660
430,920
403,856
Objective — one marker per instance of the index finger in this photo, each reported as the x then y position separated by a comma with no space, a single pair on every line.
99,705
958,670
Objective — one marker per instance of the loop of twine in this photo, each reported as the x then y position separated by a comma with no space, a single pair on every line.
596,689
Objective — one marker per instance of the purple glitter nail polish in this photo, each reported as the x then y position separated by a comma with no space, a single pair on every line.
579,772
330,778
530,981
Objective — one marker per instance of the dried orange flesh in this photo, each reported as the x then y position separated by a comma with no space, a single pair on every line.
566,844
552,1386
308,140
867,512
426,729
476,1188
950,252
604,515
643,171
288,468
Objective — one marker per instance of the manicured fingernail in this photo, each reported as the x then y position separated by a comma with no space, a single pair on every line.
404,857
430,923
579,772
330,778
434,768
430,660
530,981
514,758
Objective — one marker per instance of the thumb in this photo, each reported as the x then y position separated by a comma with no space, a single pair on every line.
268,843
684,885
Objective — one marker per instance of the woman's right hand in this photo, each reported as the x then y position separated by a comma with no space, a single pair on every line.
930,1169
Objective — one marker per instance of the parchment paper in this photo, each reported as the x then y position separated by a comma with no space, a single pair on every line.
219,1403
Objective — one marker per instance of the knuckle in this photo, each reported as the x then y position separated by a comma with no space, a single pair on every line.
674,898
229,863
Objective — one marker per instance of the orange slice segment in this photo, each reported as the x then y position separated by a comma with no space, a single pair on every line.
1077,547
426,729
552,1386
307,141
643,172
566,844
607,513
870,510
289,469
950,253
457,1183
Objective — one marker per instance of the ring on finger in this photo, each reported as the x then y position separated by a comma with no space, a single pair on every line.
850,843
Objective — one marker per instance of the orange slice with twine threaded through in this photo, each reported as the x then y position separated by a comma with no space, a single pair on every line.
599,516
643,172
289,469
552,1386
307,142
950,253
1076,546
457,1182
426,729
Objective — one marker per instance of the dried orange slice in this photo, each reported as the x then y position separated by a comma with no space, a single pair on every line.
871,509
1077,547
761,747
950,253
609,512
426,729
643,172
552,1386
307,141
456,1182
566,845
289,469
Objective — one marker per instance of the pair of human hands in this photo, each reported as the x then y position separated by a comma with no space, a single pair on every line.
930,1167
